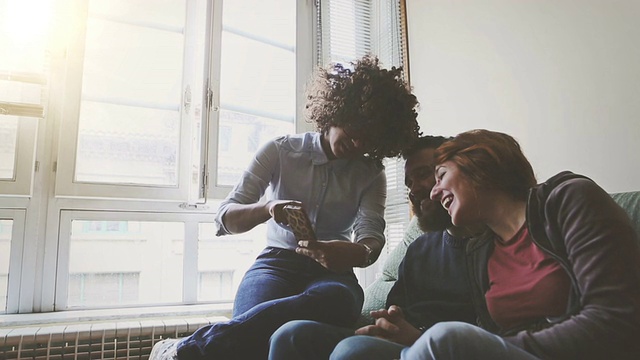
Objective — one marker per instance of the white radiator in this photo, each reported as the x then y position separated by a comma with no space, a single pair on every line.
100,340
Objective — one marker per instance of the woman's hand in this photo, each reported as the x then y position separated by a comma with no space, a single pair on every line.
391,325
336,255
274,208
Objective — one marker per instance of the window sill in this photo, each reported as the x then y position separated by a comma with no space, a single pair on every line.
125,314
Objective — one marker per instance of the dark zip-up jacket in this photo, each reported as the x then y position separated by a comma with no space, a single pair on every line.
577,223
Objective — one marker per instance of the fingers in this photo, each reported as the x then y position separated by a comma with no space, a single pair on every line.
306,248
379,313
382,328
367,330
303,243
387,326
395,310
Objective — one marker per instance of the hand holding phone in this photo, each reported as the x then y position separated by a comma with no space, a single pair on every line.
299,222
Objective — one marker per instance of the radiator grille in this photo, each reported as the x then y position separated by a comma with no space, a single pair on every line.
112,340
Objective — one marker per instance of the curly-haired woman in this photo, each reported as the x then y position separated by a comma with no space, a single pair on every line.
362,115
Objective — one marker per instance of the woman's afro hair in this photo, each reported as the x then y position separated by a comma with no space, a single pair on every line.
374,102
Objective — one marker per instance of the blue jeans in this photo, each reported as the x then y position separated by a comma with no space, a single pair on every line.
443,341
306,339
279,287
458,340
362,347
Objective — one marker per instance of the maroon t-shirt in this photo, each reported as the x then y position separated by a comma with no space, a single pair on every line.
525,283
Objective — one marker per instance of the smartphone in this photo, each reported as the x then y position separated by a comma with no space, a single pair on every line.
299,222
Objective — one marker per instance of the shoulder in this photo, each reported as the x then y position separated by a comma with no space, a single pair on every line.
568,187
366,167
308,143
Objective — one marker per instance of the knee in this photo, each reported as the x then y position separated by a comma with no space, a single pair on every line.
336,305
292,330
444,337
353,348
450,332
332,292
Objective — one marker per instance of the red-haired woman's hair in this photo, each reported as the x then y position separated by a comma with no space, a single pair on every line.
492,160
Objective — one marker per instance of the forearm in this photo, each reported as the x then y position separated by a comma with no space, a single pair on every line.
369,257
240,218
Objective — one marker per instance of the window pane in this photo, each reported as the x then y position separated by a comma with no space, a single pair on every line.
115,263
257,76
257,84
273,19
8,135
129,127
110,288
6,227
240,136
223,260
127,145
215,285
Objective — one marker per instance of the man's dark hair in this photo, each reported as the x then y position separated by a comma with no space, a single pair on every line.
436,219
374,102
423,142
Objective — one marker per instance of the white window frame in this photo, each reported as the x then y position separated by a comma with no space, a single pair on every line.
65,184
190,250
67,187
22,183
305,64
15,259
75,204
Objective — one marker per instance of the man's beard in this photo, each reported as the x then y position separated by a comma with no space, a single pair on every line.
433,218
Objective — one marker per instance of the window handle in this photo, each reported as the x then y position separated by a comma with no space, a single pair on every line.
210,100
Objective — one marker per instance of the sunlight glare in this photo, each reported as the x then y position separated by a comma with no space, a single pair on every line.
26,21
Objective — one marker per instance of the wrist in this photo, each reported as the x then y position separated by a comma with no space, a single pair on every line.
368,259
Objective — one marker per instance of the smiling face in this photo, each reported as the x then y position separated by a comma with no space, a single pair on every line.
457,194
419,178
340,144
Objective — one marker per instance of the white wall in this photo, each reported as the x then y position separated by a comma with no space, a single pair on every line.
562,76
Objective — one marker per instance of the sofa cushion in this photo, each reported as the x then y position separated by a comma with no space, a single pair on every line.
390,268
630,202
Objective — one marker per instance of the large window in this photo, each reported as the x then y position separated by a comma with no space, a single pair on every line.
124,123
116,262
135,100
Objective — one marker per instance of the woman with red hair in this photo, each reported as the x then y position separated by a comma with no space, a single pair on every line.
557,273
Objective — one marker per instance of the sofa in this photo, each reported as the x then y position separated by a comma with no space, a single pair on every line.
376,293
